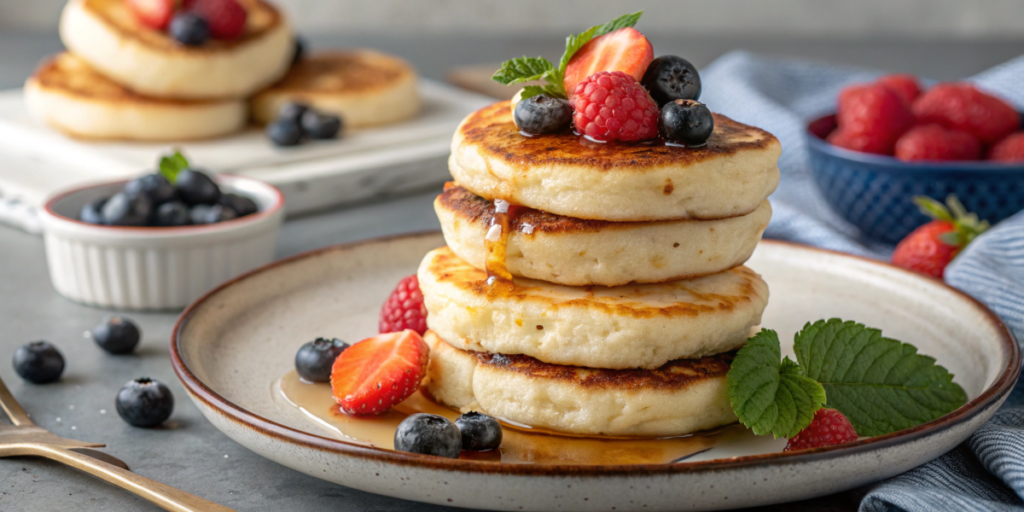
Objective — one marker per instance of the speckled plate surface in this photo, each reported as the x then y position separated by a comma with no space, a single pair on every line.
230,348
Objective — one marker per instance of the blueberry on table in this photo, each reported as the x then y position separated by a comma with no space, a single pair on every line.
542,114
144,402
38,362
205,214
429,434
240,204
320,125
292,111
116,334
154,186
92,212
127,210
197,187
686,122
669,78
313,361
171,214
190,29
480,432
284,133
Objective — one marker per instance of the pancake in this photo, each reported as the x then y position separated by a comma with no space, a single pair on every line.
577,252
634,326
106,35
568,175
364,87
679,398
73,98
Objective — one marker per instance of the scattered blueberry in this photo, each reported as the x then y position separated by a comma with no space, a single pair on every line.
686,122
144,402
314,360
126,210
171,214
154,186
429,434
92,212
480,432
284,133
205,214
292,111
542,114
240,204
190,29
116,334
300,50
671,78
320,125
38,362
197,187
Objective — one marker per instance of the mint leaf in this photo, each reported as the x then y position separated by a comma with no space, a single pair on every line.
522,69
880,384
532,90
171,165
770,394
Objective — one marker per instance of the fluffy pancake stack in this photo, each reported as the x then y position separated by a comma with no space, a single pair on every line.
628,296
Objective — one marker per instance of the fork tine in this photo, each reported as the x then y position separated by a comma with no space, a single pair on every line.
12,408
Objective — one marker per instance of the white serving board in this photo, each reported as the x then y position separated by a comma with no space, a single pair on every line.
39,161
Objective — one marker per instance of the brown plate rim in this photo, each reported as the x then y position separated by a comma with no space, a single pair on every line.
198,390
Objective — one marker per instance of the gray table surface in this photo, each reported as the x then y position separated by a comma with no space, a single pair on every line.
188,452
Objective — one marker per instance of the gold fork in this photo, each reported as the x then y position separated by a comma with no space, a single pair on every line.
26,438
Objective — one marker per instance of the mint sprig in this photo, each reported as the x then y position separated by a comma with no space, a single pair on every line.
528,69
171,165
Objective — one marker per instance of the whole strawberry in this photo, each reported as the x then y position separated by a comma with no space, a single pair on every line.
929,249
871,118
1010,149
829,427
935,143
906,86
963,107
612,105
404,308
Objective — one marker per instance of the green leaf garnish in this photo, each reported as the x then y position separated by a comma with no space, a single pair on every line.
171,165
769,394
880,384
523,69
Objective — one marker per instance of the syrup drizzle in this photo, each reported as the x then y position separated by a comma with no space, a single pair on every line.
496,244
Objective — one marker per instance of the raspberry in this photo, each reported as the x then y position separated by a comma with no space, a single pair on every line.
871,117
612,105
829,427
933,142
906,86
1010,149
964,107
404,308
225,17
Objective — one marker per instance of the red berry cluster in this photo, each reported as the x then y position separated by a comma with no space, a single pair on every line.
950,121
226,18
612,105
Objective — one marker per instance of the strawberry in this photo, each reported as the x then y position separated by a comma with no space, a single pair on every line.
377,373
1010,149
935,143
625,49
929,249
404,308
155,14
961,106
829,427
906,86
871,118
226,17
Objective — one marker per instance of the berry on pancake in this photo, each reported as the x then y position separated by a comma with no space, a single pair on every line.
155,14
225,17
625,50
612,105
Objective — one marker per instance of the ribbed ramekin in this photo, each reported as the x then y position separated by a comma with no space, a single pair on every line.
152,268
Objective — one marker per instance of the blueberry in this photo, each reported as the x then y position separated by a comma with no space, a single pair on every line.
671,78
154,186
300,50
144,402
92,212
197,187
480,432
240,204
38,362
125,210
117,335
314,360
190,29
174,213
292,111
429,434
321,125
686,122
205,214
284,133
543,114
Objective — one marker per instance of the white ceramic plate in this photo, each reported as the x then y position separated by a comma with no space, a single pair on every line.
230,347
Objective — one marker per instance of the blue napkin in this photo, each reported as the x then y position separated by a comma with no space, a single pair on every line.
781,95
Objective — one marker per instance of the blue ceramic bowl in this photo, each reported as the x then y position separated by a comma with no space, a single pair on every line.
874,192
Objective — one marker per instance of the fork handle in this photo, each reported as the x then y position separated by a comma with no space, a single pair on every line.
164,496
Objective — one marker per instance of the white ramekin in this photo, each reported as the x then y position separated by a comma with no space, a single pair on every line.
155,268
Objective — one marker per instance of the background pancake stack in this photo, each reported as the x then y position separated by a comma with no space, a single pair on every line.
596,289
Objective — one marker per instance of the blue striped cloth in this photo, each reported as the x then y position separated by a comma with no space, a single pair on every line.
986,473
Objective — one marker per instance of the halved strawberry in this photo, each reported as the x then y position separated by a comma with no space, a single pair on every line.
373,375
625,49
154,14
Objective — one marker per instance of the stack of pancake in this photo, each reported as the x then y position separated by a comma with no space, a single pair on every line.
627,297
122,80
